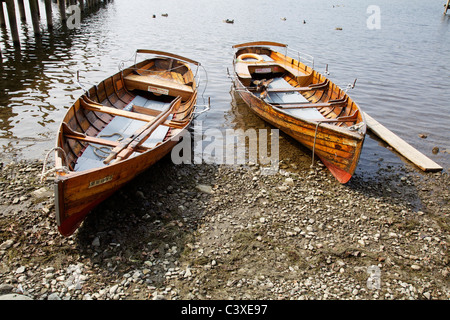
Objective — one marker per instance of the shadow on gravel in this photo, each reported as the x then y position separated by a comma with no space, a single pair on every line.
150,219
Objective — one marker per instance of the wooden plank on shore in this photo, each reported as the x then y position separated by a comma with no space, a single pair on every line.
401,146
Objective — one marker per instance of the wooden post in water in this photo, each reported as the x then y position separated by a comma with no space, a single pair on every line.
37,7
35,17
447,6
23,16
2,16
35,14
13,21
62,9
81,5
48,14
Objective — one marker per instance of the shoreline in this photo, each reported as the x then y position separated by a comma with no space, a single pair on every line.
208,232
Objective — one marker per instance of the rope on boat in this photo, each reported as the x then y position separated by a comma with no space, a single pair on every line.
64,169
356,127
104,149
207,105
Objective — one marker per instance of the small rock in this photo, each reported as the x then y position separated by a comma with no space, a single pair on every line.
204,188
148,263
435,150
289,182
146,271
415,267
6,288
6,245
20,270
41,193
140,194
54,296
113,289
96,242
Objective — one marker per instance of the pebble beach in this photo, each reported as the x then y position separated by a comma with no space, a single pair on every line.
218,232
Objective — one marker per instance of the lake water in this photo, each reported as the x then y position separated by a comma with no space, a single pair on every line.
402,65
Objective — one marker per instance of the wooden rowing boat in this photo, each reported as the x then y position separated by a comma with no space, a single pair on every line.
301,102
118,129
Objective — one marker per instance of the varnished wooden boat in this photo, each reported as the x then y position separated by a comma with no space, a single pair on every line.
118,129
301,102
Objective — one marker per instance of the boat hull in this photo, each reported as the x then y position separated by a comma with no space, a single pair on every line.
339,150
139,115
79,194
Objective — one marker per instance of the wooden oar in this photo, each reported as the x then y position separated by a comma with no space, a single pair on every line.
127,147
75,135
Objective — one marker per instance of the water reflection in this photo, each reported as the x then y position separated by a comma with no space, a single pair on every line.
401,68
292,154
37,84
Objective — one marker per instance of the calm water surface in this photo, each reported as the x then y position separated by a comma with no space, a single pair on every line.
402,68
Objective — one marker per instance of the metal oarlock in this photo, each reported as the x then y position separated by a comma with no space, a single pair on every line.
205,107
350,86
326,72
79,82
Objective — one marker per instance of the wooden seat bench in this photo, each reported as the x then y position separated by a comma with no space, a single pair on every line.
158,85
245,70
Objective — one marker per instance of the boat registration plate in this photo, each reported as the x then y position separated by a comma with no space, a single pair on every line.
263,70
100,181
158,90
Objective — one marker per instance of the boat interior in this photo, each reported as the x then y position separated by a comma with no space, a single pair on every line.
149,103
293,88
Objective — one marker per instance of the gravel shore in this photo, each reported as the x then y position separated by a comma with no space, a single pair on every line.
230,232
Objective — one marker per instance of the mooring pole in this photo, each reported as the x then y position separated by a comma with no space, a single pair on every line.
48,13
13,21
2,16
447,6
62,9
23,16
38,10
35,17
